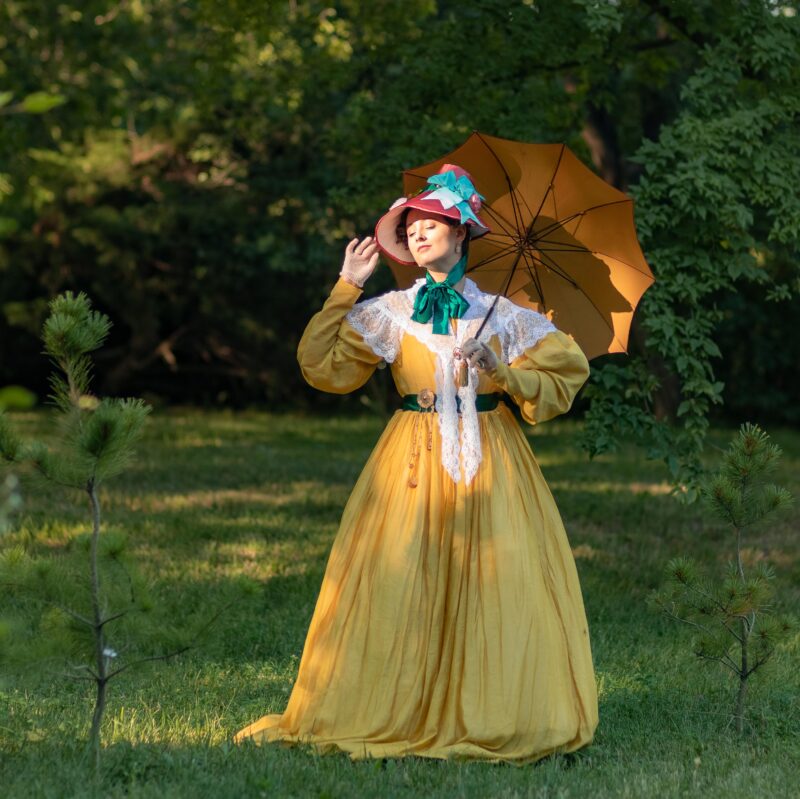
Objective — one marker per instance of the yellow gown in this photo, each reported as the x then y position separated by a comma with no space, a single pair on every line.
450,621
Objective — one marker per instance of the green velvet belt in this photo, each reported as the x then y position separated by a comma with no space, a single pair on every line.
483,402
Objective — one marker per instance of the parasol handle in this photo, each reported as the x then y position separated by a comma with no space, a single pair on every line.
486,318
497,296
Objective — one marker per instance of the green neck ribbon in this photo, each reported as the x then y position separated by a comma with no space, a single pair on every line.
440,300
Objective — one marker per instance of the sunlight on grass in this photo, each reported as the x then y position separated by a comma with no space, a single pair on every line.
247,524
272,495
587,552
654,489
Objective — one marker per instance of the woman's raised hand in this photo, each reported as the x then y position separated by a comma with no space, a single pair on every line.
360,260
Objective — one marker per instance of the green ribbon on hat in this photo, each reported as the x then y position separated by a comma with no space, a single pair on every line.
451,191
441,301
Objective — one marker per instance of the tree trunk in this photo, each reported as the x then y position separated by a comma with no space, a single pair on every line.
99,642
97,718
743,675
740,701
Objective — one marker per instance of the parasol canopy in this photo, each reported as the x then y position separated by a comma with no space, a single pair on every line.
562,242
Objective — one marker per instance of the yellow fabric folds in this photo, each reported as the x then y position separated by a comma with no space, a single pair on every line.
450,621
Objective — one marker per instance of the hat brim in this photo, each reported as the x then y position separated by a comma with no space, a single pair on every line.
386,228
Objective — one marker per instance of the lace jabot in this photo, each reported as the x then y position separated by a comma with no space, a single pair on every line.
382,321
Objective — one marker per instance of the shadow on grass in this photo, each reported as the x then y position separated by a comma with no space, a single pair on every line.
216,502
648,740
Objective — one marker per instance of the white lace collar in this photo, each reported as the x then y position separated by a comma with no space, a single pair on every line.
383,321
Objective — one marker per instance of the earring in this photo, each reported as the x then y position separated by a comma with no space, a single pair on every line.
458,248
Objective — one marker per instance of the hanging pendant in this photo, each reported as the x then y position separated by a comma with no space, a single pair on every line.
461,371
463,374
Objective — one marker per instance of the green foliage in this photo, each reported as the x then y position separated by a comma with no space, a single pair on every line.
224,499
17,397
109,434
71,332
733,619
97,436
34,103
63,607
737,493
10,443
209,161
10,499
715,211
48,602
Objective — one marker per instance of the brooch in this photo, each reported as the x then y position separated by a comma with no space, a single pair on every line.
425,398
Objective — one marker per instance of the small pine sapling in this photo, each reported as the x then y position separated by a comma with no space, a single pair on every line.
733,619
81,606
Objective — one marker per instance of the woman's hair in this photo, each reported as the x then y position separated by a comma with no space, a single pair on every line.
402,237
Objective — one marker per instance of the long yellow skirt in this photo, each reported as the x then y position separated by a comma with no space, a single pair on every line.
450,622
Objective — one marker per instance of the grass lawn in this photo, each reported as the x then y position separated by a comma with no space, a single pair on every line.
245,505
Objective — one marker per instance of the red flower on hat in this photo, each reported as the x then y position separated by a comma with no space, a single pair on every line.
475,203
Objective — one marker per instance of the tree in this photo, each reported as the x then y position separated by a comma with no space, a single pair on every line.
212,159
716,211
732,620
70,609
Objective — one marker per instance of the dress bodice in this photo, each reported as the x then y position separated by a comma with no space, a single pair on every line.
415,367
539,367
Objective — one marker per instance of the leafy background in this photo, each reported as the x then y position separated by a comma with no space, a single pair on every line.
196,168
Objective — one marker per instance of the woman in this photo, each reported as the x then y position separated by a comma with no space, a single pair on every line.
450,620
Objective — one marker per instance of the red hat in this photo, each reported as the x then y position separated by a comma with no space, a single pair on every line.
449,193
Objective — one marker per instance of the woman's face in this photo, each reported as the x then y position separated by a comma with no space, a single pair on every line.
431,240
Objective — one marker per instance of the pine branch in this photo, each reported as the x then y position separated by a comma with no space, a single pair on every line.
736,635
72,613
177,652
686,621
150,659
714,601
77,677
114,617
120,565
723,659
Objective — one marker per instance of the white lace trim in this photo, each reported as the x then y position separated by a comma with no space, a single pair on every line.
382,321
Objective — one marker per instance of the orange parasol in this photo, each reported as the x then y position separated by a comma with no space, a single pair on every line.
563,241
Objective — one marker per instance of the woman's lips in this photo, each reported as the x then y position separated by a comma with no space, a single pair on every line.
423,247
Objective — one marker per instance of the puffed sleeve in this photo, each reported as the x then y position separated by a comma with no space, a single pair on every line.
544,379
334,355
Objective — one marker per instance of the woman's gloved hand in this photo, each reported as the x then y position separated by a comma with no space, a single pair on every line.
360,260
478,354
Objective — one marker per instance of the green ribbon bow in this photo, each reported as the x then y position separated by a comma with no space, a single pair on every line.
452,191
440,300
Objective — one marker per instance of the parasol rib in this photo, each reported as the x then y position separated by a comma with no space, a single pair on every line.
561,222
514,205
491,259
552,178
554,267
536,281
507,226
599,313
